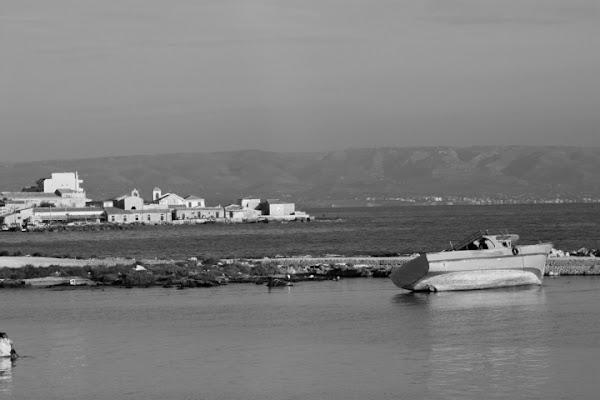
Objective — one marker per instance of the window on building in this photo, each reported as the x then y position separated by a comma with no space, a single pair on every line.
162,217
137,217
112,218
148,217
124,218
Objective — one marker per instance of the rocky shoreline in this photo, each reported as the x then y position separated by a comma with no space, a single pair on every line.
25,272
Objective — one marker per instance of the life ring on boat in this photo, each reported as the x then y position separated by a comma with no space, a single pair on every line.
515,251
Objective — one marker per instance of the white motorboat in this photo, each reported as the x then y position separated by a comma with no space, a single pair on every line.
481,261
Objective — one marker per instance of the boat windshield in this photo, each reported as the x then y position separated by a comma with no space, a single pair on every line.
484,240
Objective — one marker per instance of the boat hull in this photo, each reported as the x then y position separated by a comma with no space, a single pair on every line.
474,269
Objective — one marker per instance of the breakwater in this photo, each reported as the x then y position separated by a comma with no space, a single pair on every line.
383,266
212,272
573,266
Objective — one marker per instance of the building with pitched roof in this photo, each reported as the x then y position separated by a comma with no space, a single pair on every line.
192,201
131,201
171,199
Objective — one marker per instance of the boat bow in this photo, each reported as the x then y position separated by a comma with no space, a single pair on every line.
411,272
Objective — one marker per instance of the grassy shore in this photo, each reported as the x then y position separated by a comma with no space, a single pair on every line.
47,271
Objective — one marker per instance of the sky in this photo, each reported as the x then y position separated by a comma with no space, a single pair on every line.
82,78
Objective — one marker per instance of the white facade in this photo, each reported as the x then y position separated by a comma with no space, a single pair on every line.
251,203
171,199
61,180
194,201
129,202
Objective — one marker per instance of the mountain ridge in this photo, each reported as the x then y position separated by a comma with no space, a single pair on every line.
322,178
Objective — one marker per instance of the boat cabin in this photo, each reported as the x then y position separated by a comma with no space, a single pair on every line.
485,240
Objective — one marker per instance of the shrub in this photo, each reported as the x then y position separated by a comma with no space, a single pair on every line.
235,268
211,260
139,278
4,253
266,269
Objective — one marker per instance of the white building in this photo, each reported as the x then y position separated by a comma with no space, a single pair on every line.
192,201
249,202
60,180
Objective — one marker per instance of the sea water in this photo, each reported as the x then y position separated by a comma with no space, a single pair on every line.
347,231
352,339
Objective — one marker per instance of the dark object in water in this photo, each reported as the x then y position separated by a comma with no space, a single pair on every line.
274,282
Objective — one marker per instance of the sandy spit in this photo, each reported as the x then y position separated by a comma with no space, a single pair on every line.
19,262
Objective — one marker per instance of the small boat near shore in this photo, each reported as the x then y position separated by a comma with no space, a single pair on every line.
481,261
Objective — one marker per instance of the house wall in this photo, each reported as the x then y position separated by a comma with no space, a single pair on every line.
66,214
277,209
251,214
61,180
140,217
77,199
100,203
195,203
198,213
17,218
133,203
249,203
130,203
172,200
235,215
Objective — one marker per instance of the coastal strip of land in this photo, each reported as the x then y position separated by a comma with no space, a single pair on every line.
45,272
22,261
554,266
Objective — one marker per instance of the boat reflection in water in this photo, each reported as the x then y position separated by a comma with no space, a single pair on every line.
481,261
5,375
469,346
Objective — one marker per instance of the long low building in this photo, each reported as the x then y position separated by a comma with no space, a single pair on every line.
39,215
66,214
147,216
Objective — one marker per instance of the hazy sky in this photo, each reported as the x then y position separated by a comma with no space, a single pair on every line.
83,78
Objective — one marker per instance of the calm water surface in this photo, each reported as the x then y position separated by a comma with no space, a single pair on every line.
361,231
353,339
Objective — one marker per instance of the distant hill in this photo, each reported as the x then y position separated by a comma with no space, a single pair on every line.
324,178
